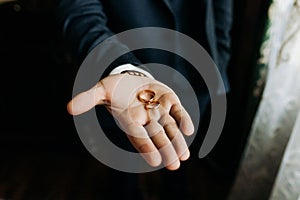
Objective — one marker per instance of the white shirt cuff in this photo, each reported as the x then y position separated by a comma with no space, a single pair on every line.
125,67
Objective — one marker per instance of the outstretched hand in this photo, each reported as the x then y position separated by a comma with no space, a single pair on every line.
156,131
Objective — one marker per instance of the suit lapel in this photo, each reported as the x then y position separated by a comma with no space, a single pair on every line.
167,3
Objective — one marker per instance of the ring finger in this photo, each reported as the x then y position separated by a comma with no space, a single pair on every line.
163,144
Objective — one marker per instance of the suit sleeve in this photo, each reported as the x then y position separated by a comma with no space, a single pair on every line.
84,25
223,12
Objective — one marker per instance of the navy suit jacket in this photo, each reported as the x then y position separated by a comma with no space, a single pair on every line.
86,23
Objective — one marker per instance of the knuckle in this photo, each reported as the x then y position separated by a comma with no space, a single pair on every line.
171,125
164,144
157,132
166,119
144,148
177,112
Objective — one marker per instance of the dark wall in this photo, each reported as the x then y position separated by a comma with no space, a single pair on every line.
36,77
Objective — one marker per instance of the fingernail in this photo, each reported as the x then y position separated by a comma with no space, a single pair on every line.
189,130
185,155
174,166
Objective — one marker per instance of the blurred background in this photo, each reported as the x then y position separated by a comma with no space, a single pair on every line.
257,156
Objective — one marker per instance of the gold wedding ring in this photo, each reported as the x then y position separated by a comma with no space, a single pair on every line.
148,98
152,105
145,96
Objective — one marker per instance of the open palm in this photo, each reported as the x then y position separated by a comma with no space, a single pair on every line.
156,132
